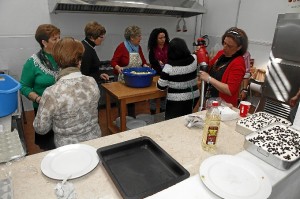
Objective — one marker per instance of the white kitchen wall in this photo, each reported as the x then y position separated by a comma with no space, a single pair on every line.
20,18
257,17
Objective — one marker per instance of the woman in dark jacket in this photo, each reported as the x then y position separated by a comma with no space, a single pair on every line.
179,77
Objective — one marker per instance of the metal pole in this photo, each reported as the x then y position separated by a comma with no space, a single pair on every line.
203,67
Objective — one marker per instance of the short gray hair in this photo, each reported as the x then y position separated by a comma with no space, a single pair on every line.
132,31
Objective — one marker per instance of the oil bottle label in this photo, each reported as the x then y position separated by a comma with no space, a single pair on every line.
212,135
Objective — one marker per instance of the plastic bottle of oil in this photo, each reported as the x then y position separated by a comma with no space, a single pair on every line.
211,127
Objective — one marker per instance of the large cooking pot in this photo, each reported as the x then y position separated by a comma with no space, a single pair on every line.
138,77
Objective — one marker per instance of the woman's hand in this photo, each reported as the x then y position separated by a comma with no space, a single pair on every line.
243,94
119,69
220,86
204,76
294,99
161,63
145,65
104,76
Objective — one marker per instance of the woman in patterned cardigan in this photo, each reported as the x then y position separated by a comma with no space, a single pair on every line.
69,107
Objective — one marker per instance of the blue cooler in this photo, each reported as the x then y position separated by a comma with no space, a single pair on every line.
8,95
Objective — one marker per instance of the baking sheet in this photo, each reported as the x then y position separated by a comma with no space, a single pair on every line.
274,147
258,121
140,167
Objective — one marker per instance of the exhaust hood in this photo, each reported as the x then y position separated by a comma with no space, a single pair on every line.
174,8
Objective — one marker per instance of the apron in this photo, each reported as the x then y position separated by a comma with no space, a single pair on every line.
134,61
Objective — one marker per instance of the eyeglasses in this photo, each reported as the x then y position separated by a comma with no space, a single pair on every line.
228,45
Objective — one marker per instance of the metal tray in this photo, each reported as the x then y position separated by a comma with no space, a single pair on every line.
258,121
10,146
140,167
261,149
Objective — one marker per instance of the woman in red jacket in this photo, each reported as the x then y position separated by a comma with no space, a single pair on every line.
129,54
227,68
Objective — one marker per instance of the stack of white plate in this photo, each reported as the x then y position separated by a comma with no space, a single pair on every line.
135,123
149,119
118,121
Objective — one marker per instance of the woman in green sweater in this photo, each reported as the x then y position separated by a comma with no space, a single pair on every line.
39,72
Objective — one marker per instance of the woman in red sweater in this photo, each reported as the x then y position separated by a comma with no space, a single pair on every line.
129,54
227,68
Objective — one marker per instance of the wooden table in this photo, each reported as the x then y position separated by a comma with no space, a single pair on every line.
126,95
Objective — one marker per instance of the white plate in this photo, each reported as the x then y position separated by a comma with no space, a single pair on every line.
235,178
135,123
74,160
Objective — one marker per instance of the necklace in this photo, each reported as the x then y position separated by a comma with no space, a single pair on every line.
45,61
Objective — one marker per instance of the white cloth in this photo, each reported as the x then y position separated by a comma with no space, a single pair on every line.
228,114
65,190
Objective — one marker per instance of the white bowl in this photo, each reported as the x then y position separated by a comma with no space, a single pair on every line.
135,123
149,119
128,118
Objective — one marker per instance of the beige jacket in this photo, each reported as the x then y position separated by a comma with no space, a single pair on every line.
69,107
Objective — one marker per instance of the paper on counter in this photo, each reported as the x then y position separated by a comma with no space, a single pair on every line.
65,190
191,188
228,114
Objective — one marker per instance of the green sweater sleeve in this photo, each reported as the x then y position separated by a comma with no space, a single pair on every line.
27,77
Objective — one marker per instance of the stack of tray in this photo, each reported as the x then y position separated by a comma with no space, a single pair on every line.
277,144
10,146
6,187
258,121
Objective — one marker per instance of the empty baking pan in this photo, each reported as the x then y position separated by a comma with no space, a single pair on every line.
140,167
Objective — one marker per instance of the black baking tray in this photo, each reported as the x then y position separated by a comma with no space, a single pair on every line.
140,167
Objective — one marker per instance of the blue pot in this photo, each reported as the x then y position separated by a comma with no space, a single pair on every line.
138,80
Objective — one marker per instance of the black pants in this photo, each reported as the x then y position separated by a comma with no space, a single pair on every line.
45,142
179,108
131,110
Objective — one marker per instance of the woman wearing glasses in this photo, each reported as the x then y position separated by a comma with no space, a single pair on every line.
94,35
227,68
